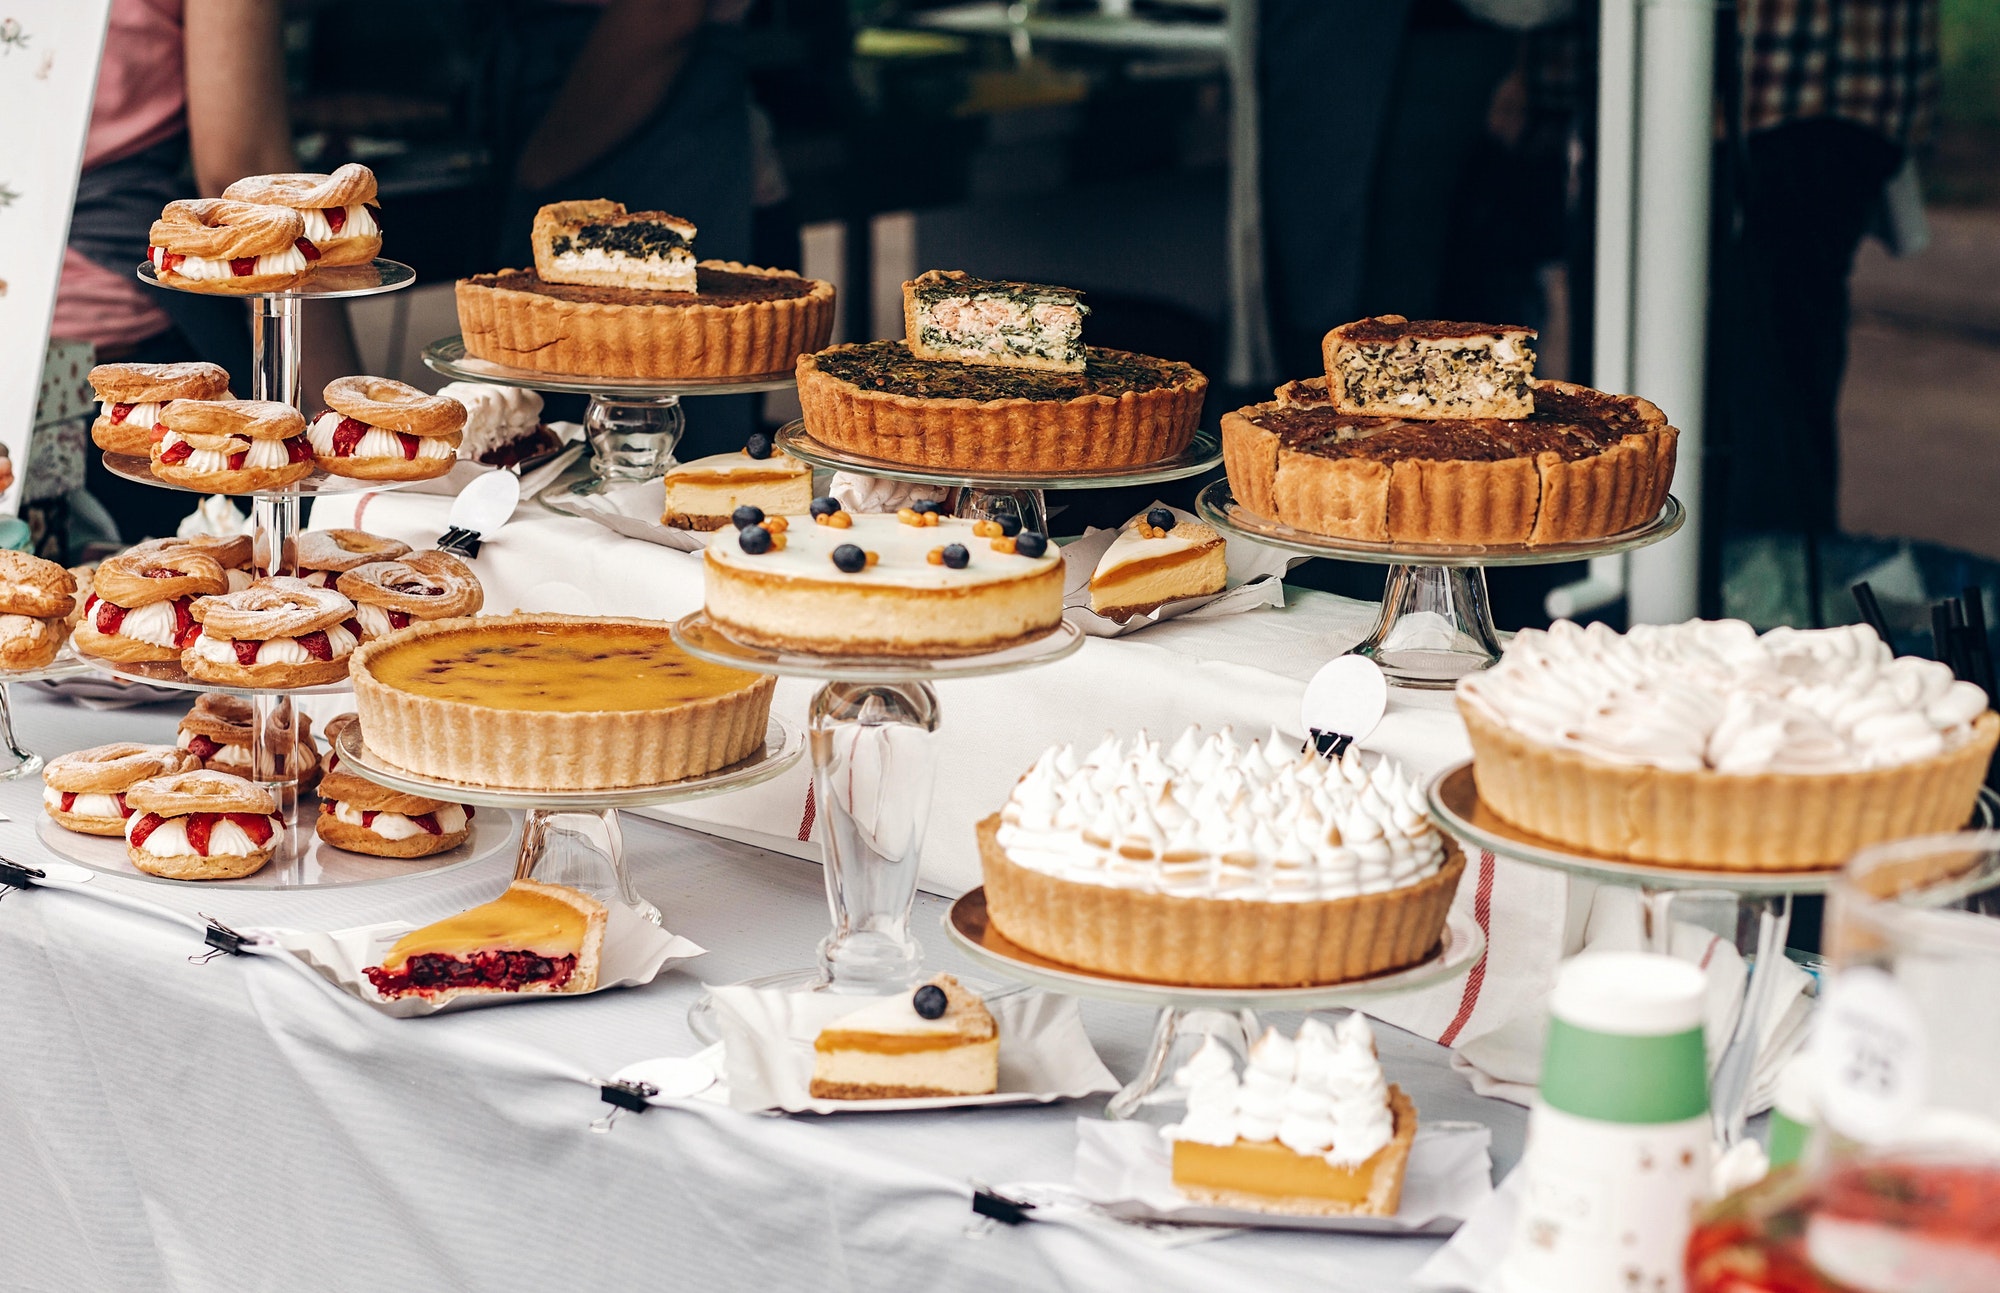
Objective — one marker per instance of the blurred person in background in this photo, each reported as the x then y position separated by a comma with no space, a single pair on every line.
190,96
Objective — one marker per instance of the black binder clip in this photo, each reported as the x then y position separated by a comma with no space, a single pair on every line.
622,1096
221,940
1330,745
998,1207
15,876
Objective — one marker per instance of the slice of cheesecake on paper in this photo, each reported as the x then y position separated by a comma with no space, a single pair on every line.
1391,366
939,1040
948,314
601,244
535,937
701,494
1157,558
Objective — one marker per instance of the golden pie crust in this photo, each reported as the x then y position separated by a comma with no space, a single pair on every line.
1215,942
1086,433
516,749
655,342
1531,500
1772,821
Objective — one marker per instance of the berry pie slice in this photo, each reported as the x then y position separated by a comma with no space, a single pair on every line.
535,937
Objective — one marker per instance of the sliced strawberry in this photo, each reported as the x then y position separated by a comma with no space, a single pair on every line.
124,810
202,748
368,816
410,445
236,460
174,453
185,628
109,616
143,827
297,448
163,572
316,644
198,827
336,218
246,652
256,825
119,412
468,811
351,624
68,800
242,267
305,247
429,822
347,435
399,619
159,433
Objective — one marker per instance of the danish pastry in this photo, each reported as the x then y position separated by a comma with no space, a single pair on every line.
324,555
217,731
231,446
84,790
131,396
201,826
375,428
390,595
139,599
216,245
334,208
362,817
278,632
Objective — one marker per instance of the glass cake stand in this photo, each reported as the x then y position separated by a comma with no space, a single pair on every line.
1436,624
995,494
573,837
22,762
1459,949
1761,903
632,423
873,727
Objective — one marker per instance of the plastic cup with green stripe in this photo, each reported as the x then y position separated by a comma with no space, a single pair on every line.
1619,1140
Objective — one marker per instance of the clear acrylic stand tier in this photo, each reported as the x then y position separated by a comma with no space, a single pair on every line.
872,728
1436,623
15,761
1228,1012
984,495
633,424
277,335
573,837
1755,906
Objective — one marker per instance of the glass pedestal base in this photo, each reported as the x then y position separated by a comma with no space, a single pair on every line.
584,849
1436,626
632,437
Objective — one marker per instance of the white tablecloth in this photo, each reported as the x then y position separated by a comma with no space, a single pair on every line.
173,1126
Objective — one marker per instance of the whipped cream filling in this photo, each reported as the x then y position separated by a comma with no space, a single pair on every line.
374,620
289,261
84,805
225,756
154,624
395,826
276,650
225,838
376,443
257,454
138,415
1212,819
360,224
1320,1096
1715,695
494,415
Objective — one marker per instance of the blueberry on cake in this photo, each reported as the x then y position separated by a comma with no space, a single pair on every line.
948,314
1391,366
601,244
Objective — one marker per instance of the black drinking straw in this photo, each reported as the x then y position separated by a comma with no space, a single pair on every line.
1871,612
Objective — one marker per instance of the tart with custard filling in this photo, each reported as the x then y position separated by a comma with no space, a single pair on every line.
553,702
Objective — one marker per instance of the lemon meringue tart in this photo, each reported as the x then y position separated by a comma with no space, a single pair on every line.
534,937
553,702
939,1040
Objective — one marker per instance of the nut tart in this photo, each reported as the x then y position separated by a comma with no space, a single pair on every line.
201,826
359,816
1157,558
939,1040
879,400
705,493
917,583
553,702
740,321
1705,745
1585,465
1312,1128
1216,865
84,790
540,938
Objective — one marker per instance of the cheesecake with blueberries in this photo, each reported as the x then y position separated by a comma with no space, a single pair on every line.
1159,557
705,493
909,584
939,1040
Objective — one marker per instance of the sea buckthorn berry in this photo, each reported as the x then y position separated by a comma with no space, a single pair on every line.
777,542
955,556
1161,518
758,445
1003,545
754,539
777,524
986,529
935,556
841,521
874,557
908,516
1031,543
850,559
1009,525
825,505
747,514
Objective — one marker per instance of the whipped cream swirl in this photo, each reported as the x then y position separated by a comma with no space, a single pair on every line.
1714,694
1209,818
1321,1096
494,416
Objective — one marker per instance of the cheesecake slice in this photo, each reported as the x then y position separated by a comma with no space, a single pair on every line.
1391,366
1157,558
601,244
950,315
702,494
533,938
939,1040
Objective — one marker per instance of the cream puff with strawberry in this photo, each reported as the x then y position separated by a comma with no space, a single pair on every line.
201,826
139,607
375,428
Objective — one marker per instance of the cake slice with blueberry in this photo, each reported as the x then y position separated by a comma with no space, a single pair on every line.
1157,558
948,314
705,493
601,244
1391,366
939,1040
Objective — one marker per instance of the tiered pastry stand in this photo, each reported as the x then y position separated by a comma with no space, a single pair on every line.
573,837
998,494
1459,949
632,424
277,333
871,727
1436,624
1762,899
20,762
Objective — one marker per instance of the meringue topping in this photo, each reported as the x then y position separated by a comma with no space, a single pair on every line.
1321,1096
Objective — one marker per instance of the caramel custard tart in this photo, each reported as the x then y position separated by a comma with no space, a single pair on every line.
553,702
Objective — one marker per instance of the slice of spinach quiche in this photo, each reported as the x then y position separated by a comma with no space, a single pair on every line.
1391,366
601,244
948,314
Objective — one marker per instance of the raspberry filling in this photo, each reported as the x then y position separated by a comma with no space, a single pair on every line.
200,826
399,619
506,971
119,412
306,249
